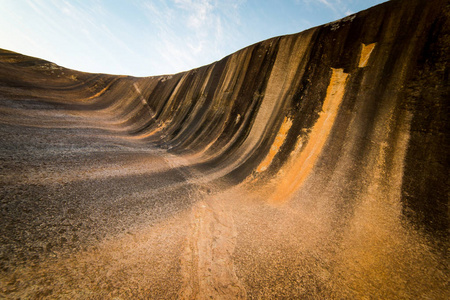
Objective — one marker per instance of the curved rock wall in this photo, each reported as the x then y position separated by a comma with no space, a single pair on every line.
338,97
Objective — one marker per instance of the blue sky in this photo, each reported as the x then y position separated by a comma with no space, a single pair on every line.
155,37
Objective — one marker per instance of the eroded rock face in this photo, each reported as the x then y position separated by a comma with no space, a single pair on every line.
305,166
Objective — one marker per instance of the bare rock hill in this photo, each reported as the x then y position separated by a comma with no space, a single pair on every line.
313,165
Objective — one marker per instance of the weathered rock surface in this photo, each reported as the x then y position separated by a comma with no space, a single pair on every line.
313,165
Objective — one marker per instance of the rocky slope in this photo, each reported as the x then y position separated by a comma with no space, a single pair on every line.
312,165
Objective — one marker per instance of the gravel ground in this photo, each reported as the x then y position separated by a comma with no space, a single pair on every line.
69,189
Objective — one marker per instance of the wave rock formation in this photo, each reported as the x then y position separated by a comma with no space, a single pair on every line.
307,166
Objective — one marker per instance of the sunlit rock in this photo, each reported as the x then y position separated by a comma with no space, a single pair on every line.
308,166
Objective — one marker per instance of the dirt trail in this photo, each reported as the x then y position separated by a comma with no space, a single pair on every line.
207,261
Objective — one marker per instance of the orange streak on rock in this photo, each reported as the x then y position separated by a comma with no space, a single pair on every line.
366,51
279,141
296,172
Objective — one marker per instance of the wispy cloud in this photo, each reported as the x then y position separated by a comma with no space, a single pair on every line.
349,12
338,7
333,5
199,11
193,25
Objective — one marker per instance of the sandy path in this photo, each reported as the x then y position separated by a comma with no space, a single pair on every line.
207,261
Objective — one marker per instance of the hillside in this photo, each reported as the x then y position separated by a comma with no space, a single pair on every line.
313,165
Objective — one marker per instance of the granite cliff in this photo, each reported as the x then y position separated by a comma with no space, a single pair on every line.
313,165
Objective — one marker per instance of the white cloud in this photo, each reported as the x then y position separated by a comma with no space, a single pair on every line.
337,6
191,30
331,4
199,11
